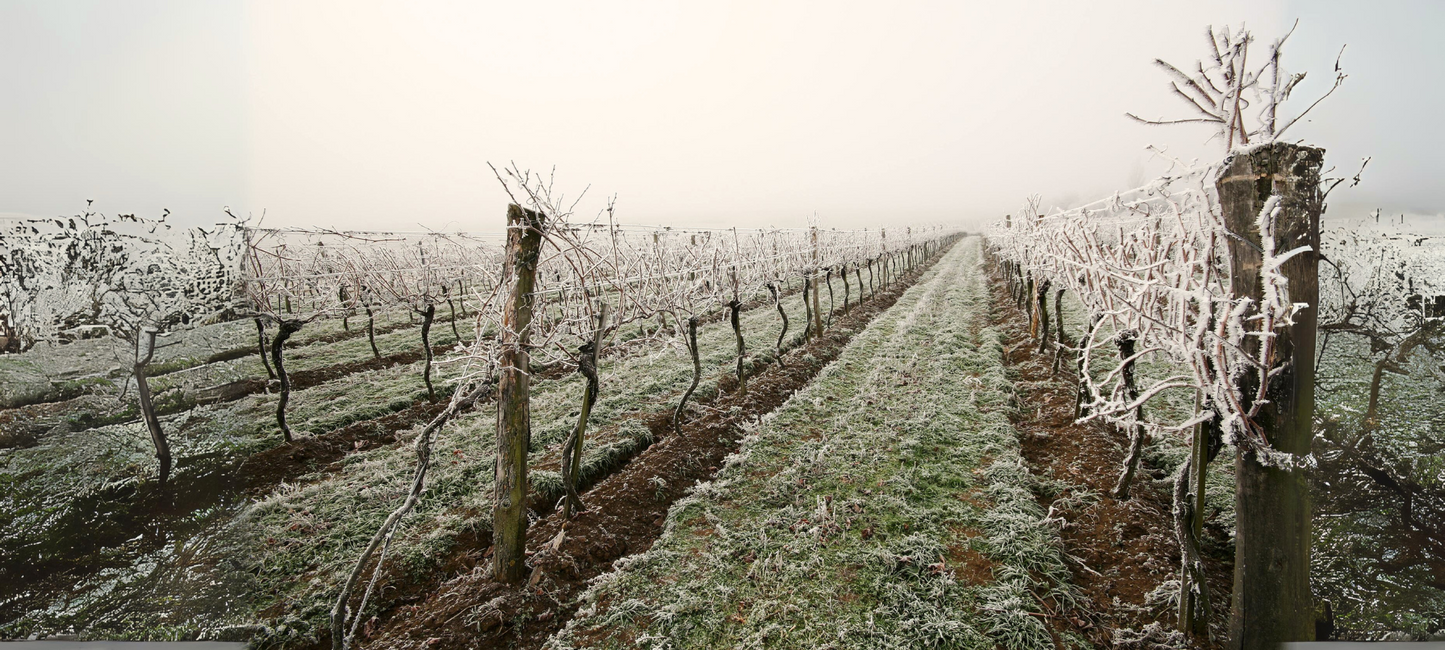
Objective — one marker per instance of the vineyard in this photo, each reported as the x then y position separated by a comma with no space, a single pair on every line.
1191,414
882,447
264,435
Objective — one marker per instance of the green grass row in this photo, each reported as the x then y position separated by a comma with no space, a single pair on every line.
319,527
884,506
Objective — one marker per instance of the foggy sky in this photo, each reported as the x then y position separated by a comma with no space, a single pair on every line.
384,115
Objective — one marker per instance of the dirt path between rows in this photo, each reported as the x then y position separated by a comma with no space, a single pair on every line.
465,608
159,516
1121,549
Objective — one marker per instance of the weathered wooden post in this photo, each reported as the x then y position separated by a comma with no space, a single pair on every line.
514,426
346,310
1195,606
1272,602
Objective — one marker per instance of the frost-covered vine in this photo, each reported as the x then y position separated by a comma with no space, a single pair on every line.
1153,262
134,278
123,273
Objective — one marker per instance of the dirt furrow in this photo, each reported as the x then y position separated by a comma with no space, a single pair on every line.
625,513
1120,549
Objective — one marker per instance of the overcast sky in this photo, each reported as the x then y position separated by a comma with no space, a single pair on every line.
384,115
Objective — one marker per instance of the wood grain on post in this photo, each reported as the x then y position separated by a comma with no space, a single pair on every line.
514,426
1272,602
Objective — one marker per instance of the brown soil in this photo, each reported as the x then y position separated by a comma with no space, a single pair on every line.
265,470
465,608
968,565
1118,550
107,519
111,517
23,426
303,379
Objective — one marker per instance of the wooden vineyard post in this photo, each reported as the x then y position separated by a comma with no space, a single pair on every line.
1195,608
1027,304
908,251
817,306
514,426
1272,602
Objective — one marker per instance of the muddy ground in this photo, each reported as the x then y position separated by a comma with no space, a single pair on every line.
465,608
1119,550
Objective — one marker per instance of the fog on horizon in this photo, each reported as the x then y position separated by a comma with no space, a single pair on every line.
385,115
